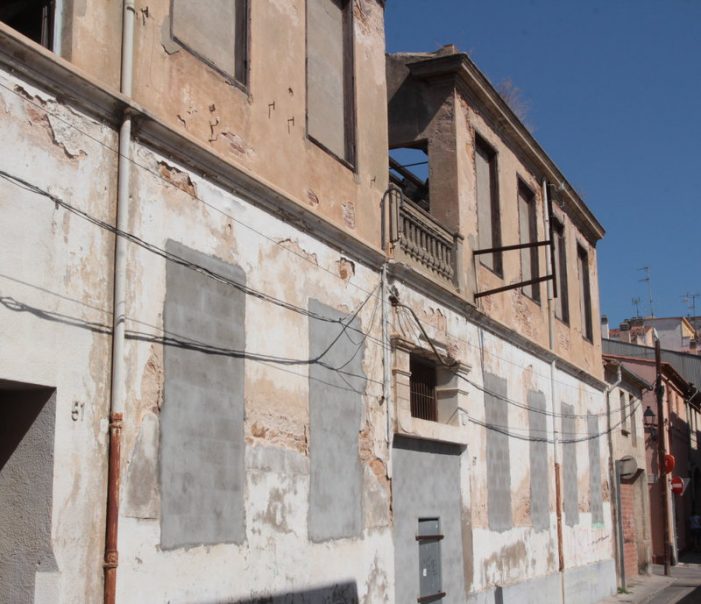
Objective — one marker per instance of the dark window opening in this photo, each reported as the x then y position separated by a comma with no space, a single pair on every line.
624,412
585,293
330,85
528,232
488,225
408,170
562,304
430,582
423,389
31,18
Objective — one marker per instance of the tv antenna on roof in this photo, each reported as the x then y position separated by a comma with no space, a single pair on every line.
648,279
690,300
636,303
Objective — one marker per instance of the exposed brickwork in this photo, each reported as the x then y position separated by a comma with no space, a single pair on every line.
630,547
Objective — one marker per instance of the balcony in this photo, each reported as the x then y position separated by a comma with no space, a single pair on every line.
417,238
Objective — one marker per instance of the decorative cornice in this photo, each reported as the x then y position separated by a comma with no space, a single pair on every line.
467,76
425,286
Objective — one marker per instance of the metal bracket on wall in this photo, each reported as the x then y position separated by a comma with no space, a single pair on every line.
550,242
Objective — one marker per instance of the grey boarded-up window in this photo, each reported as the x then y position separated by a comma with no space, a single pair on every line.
216,31
595,501
569,466
562,304
488,227
202,447
538,454
336,387
330,107
498,462
528,232
584,293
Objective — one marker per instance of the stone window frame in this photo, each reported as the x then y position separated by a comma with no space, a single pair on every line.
563,312
452,397
585,298
481,144
349,117
240,79
525,192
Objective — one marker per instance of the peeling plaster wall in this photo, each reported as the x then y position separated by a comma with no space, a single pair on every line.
55,312
283,401
449,119
521,559
263,128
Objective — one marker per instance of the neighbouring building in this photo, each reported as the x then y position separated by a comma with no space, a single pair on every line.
519,422
243,362
628,470
678,410
674,333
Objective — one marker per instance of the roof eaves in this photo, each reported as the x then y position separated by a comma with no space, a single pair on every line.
468,73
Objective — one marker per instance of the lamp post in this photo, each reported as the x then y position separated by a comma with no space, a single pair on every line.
659,392
649,421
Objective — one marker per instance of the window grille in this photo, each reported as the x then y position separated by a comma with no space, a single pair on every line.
423,389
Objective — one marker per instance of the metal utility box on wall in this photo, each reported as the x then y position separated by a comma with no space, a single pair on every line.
429,539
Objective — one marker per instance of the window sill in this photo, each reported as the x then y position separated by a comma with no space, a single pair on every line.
496,273
432,598
414,427
344,162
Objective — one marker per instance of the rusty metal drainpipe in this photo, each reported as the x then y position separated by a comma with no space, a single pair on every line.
118,385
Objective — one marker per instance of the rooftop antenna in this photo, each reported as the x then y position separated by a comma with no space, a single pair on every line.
690,300
648,279
636,303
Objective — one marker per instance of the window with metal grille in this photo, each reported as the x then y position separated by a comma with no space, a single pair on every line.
32,18
423,389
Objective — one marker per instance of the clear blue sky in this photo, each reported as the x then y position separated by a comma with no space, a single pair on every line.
614,88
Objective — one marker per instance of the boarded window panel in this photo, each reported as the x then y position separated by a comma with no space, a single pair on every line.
528,234
488,234
538,454
562,310
624,414
201,436
335,413
215,31
633,422
569,466
498,457
328,64
595,498
584,293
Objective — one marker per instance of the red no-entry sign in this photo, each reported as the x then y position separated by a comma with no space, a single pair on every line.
677,485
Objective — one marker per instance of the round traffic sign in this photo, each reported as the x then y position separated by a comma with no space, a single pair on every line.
677,485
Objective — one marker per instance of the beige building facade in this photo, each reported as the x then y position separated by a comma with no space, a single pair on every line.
254,364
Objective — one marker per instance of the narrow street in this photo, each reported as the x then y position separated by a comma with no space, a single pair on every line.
683,587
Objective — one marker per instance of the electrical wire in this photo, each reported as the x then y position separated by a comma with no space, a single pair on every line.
172,185
502,429
237,220
170,256
485,390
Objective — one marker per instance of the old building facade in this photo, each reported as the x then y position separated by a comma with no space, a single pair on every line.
241,362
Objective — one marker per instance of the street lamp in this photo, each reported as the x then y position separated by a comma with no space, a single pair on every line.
649,421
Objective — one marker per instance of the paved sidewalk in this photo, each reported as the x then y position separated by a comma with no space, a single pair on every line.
682,587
